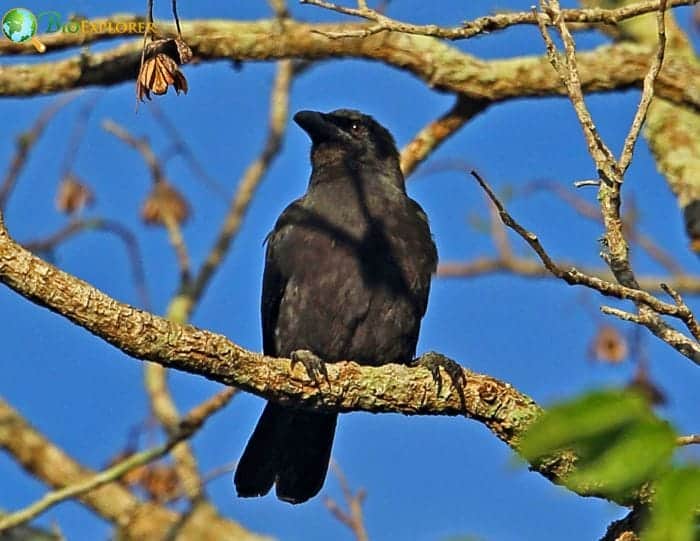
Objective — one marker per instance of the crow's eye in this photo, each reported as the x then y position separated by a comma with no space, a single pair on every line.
354,126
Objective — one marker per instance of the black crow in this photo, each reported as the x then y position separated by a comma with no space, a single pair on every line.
347,276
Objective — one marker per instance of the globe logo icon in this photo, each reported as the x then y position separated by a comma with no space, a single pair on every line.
20,25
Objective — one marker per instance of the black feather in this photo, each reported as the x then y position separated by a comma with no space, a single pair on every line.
347,277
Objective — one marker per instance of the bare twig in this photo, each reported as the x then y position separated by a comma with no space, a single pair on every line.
170,222
567,68
592,212
691,439
690,321
616,248
647,91
188,426
650,320
687,347
532,268
279,111
353,517
80,124
590,182
139,144
482,25
25,142
180,146
177,19
433,134
77,226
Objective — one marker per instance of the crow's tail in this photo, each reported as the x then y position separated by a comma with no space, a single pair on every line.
289,447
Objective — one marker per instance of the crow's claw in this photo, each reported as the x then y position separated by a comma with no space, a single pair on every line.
434,361
312,363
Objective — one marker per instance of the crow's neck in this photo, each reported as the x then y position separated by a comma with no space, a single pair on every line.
363,174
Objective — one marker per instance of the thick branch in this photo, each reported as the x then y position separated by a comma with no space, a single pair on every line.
135,520
438,64
187,427
351,387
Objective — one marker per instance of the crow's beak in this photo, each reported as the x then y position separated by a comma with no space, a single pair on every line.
316,125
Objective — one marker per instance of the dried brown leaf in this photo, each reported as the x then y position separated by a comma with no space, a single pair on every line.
160,68
73,195
609,346
164,202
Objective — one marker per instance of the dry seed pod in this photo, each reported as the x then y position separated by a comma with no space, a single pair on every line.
160,68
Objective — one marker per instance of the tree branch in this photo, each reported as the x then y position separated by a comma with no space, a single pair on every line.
187,427
607,68
25,142
647,303
391,388
486,24
437,131
113,502
532,268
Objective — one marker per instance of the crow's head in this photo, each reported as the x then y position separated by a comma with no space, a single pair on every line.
346,134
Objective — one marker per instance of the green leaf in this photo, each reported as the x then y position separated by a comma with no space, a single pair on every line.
619,441
677,501
636,454
588,417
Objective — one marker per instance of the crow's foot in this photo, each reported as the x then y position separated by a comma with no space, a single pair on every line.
312,363
434,361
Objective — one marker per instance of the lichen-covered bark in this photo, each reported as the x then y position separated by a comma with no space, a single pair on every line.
350,387
673,132
134,520
438,64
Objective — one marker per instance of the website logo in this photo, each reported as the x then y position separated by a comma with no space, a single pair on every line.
20,25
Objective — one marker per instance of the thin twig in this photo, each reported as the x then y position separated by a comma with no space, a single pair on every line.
616,248
139,144
25,143
527,267
177,241
177,19
146,34
647,91
113,227
433,134
181,147
171,224
279,111
569,75
80,124
583,183
592,212
188,426
689,440
572,276
353,517
482,25
690,321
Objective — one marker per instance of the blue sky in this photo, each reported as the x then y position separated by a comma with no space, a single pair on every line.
426,478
